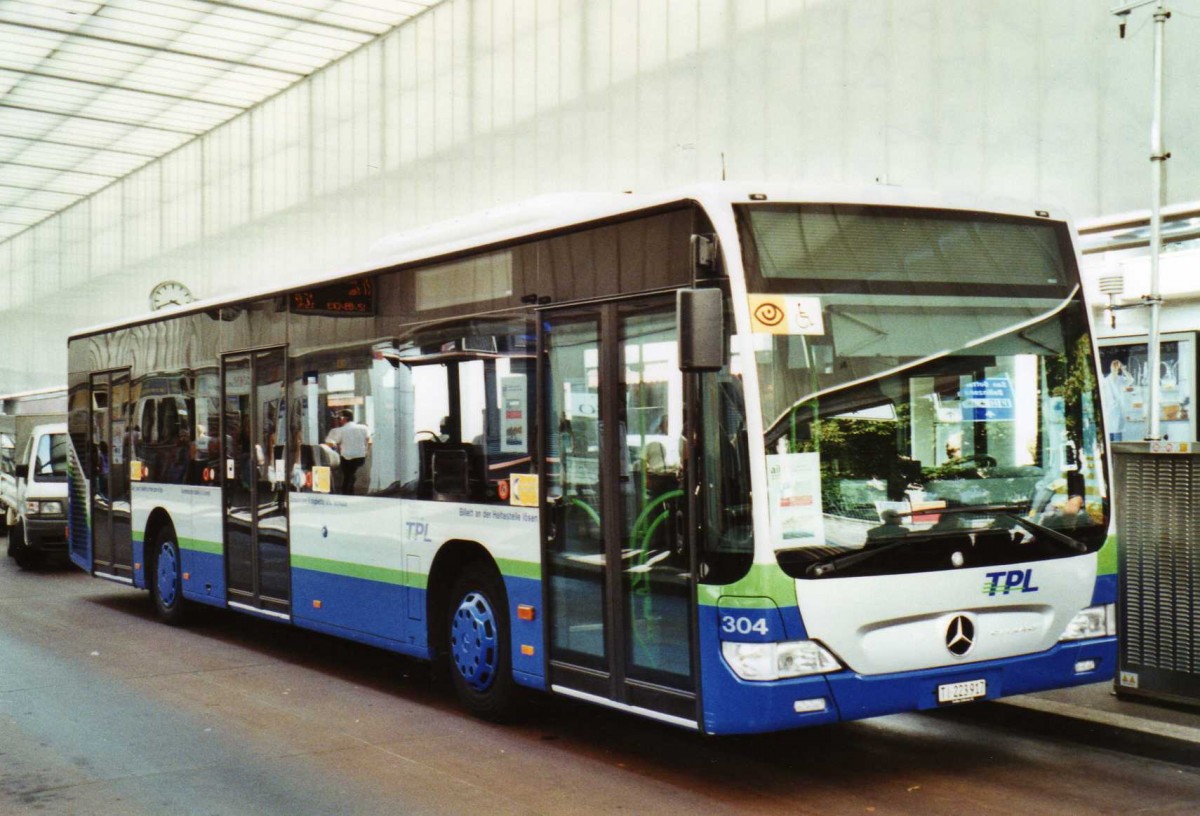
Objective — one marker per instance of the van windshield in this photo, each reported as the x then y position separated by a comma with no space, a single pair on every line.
51,463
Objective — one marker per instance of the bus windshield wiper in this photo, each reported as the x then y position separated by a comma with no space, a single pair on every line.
1061,539
1011,511
843,561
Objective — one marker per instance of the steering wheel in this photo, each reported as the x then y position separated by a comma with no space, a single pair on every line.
431,435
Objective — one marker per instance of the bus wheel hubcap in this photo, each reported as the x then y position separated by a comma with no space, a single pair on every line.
167,570
473,644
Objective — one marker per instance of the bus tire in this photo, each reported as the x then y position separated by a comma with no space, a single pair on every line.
166,583
478,644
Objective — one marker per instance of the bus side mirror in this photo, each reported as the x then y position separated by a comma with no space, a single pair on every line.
700,325
21,472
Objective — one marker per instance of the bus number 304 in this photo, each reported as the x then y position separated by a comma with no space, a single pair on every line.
742,625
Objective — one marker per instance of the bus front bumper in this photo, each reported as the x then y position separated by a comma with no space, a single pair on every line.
46,534
736,706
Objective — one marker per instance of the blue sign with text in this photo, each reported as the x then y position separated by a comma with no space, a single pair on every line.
987,400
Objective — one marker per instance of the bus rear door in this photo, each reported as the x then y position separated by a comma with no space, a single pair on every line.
254,484
111,441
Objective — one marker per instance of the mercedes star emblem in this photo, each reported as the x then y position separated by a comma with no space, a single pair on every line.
960,636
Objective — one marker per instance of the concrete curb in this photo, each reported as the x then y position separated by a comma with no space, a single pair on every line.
1111,719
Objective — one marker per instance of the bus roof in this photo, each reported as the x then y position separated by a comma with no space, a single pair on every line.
558,211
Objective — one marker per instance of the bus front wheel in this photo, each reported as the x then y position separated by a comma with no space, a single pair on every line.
478,643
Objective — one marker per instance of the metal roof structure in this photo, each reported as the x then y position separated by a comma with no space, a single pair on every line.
91,90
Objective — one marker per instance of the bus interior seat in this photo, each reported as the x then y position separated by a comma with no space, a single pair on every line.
451,471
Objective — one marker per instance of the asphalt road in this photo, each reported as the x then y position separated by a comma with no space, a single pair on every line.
105,711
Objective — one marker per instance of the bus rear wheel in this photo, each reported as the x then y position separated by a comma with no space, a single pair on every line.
166,584
479,644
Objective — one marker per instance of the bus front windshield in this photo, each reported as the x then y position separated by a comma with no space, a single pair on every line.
928,389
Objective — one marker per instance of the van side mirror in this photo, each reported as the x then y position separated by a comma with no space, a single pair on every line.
700,325
21,472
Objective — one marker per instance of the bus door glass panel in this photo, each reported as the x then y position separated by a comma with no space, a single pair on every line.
574,538
656,565
111,440
271,524
239,474
99,465
255,479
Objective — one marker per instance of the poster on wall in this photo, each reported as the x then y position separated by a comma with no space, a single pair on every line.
514,421
1125,388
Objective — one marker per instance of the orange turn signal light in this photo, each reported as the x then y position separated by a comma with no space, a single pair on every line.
526,612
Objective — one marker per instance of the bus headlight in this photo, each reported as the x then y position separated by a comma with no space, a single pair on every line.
43,508
1093,622
773,661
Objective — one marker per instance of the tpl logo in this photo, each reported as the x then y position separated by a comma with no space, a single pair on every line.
417,531
1006,582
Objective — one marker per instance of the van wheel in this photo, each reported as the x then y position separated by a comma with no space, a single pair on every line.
19,549
166,583
478,644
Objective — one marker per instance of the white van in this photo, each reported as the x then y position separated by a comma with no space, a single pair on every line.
33,486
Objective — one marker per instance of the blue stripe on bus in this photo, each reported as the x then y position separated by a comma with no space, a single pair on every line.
206,576
859,696
1106,590
378,613
528,669
371,607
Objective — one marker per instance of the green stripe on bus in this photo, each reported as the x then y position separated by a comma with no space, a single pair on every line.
382,575
519,569
762,581
200,545
1107,563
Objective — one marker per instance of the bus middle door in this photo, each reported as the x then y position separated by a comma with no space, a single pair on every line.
620,589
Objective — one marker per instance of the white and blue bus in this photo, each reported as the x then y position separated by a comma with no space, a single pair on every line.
738,459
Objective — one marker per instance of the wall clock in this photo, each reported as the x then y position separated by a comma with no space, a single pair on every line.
169,293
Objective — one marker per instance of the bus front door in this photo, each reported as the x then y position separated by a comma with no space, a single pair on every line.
620,586
254,482
111,438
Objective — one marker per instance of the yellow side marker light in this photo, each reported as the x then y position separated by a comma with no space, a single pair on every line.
187,576
136,567
526,650
316,604
526,612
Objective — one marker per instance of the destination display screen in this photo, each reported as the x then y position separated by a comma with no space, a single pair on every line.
353,298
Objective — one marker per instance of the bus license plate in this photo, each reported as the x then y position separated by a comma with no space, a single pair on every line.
962,692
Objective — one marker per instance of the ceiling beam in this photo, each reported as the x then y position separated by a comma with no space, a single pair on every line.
94,148
115,87
38,189
158,49
61,170
64,115
290,17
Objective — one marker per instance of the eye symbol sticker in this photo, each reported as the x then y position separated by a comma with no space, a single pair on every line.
769,314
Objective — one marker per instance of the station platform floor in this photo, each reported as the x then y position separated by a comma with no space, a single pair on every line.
1097,708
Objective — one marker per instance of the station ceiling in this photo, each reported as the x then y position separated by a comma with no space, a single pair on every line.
91,90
